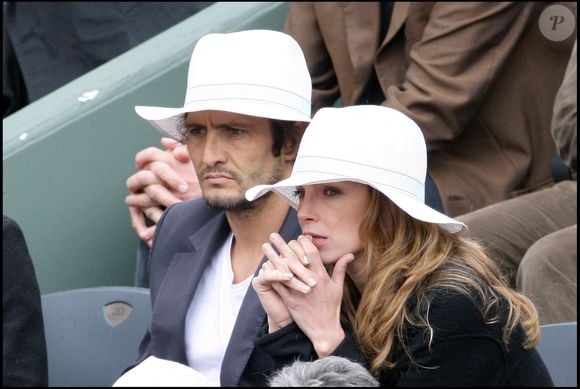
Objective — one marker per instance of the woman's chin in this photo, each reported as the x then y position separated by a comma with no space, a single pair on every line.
329,259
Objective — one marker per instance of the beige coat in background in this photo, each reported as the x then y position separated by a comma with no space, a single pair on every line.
478,77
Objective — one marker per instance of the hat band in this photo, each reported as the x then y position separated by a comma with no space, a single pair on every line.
248,92
369,174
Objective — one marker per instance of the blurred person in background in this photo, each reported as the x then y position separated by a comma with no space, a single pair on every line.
479,78
48,44
24,358
534,237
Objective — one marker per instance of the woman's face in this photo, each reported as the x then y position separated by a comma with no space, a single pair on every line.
331,214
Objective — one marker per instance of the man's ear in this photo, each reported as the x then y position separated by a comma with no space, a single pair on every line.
292,141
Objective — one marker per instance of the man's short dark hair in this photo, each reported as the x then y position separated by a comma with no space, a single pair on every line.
283,132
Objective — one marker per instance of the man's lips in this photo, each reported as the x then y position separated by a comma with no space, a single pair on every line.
216,178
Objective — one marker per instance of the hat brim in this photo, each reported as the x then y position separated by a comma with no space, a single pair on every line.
166,120
411,205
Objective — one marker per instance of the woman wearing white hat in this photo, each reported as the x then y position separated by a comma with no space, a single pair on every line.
422,304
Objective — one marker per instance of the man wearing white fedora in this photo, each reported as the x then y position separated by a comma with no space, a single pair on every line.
246,106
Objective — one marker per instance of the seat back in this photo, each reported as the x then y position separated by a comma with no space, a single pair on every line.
93,334
558,350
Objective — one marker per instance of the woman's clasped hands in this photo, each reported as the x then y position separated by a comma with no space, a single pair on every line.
294,285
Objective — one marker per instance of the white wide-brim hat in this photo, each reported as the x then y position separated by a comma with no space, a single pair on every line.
256,72
373,145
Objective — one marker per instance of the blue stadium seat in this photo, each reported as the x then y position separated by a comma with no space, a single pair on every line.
559,351
93,334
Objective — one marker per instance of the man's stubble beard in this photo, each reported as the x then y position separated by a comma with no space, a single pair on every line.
240,203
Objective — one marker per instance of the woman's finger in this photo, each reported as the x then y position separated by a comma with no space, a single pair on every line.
291,264
270,274
299,250
282,247
275,259
312,253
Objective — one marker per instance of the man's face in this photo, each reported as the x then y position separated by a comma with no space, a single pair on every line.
231,153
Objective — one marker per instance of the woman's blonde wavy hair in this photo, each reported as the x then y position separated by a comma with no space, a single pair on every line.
407,259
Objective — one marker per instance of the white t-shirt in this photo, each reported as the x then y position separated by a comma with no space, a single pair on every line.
212,314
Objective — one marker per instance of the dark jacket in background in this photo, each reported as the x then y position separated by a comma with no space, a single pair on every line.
48,44
24,360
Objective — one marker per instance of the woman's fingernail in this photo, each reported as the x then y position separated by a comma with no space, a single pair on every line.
306,261
266,247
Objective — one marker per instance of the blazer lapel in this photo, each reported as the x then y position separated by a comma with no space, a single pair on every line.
250,320
180,283
362,40
398,18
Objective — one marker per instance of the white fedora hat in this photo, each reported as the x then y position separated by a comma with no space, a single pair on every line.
256,72
373,145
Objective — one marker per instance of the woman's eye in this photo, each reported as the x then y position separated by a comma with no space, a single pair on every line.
331,192
299,193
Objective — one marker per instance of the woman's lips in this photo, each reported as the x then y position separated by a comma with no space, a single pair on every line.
317,240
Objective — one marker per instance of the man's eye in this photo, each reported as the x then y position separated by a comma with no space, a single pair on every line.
195,131
235,131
